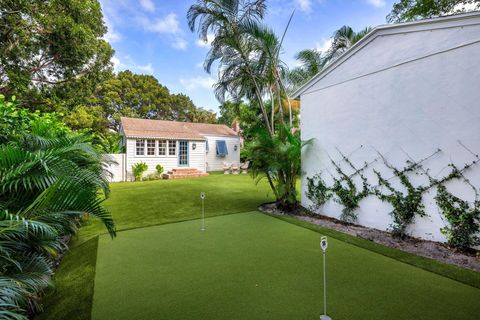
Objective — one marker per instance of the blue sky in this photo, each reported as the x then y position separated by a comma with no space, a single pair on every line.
152,36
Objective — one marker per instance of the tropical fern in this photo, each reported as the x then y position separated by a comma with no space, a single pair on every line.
46,187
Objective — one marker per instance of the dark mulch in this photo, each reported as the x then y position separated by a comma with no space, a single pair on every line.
425,248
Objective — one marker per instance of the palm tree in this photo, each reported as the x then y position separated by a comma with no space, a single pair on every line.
241,72
312,62
279,160
249,66
47,187
343,39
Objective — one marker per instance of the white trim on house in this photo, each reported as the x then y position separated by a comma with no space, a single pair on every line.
197,135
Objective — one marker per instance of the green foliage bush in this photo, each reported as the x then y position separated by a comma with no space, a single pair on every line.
16,122
159,169
152,176
463,219
278,160
138,169
107,143
47,187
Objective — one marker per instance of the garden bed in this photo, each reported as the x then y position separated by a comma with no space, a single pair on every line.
425,248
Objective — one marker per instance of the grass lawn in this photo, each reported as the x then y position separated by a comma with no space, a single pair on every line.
245,266
252,266
140,204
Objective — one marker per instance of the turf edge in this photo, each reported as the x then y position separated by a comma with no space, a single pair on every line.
468,277
72,295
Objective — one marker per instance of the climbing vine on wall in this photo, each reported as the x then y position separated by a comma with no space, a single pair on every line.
463,219
346,191
406,205
317,191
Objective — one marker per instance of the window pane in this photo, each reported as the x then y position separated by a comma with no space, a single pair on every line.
140,147
162,147
150,147
172,147
221,148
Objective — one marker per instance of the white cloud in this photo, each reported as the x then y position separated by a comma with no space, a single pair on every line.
207,43
112,35
304,5
179,43
377,3
197,82
147,5
324,44
127,63
167,24
466,7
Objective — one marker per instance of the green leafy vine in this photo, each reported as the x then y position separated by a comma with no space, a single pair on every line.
317,191
346,191
463,219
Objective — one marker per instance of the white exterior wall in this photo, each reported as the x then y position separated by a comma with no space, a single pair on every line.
403,93
215,163
117,169
196,158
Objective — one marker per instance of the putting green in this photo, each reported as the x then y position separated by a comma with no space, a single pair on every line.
252,266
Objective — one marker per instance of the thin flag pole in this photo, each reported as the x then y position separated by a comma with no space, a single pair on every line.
324,285
202,196
324,245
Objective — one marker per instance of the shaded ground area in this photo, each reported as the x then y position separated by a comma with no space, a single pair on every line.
251,266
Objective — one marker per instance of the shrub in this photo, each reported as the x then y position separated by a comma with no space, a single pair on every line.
462,218
47,186
159,169
138,169
278,159
152,176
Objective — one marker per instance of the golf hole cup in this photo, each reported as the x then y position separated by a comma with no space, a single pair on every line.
323,244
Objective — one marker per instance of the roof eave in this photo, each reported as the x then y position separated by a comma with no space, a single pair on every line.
371,36
164,137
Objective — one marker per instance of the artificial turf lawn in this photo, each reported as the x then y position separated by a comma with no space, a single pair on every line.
252,266
140,204
451,271
71,297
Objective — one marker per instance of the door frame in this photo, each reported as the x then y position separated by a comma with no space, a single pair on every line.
187,153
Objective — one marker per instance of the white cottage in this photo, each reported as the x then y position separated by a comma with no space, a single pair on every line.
199,147
403,91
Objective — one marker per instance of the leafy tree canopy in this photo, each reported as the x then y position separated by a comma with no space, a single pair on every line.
15,122
51,49
136,95
408,10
